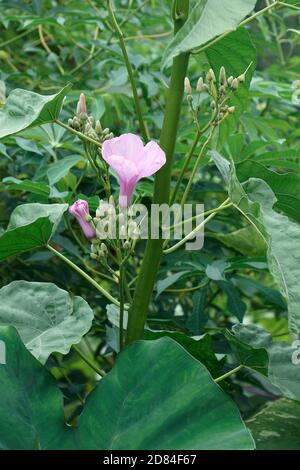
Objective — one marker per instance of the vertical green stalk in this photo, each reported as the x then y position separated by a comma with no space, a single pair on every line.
146,279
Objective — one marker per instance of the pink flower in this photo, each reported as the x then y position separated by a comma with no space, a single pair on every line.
132,161
80,210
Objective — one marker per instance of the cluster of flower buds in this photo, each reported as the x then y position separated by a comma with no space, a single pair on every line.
110,225
219,91
86,124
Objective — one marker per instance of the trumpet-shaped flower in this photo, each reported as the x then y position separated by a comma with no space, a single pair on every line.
132,160
80,210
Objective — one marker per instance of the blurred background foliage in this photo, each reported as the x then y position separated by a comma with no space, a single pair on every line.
46,44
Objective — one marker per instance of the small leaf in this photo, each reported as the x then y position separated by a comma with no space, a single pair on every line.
31,226
46,317
205,22
25,109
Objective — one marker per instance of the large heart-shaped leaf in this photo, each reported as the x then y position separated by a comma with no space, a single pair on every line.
31,405
25,109
46,317
276,426
156,397
160,397
256,201
31,226
207,21
274,359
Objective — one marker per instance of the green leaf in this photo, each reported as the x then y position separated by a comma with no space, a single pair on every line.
256,201
46,317
206,21
34,187
246,241
159,397
25,109
198,318
274,359
31,405
276,426
235,63
61,168
286,187
31,226
235,304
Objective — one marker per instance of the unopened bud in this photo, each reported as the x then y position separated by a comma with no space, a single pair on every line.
111,201
211,76
187,86
231,109
234,84
222,90
70,122
81,105
200,84
94,256
127,245
230,80
98,127
103,249
88,218
242,78
222,78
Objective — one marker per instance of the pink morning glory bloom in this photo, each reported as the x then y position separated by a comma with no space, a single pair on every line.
132,160
80,210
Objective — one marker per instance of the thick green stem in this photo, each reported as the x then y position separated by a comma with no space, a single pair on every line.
146,279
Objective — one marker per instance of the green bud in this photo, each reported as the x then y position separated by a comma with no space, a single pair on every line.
230,80
242,78
234,84
222,78
211,76
187,86
231,110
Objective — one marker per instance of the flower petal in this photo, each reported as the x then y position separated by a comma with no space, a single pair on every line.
153,159
129,146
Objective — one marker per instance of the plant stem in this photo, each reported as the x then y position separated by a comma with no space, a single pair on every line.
88,361
121,324
190,182
79,134
228,374
154,248
84,274
120,36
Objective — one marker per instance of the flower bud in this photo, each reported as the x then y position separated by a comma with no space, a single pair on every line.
94,256
230,80
127,245
80,210
98,127
81,105
231,109
211,76
242,78
103,250
187,86
234,84
222,78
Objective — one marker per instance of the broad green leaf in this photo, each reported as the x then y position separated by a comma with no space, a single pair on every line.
199,317
207,21
31,405
159,397
163,284
34,187
235,52
256,201
61,168
235,304
286,187
276,426
246,241
274,359
156,397
46,317
31,226
25,109
201,349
